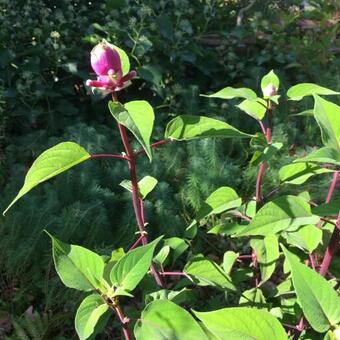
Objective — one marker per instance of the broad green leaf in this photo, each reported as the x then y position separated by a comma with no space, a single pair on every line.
207,273
229,259
242,323
322,155
162,255
124,59
50,163
286,212
231,92
164,320
306,237
145,185
266,155
178,297
267,253
138,117
226,229
222,199
177,245
327,209
132,267
253,298
270,79
188,127
298,173
253,108
297,92
319,301
77,267
327,114
88,314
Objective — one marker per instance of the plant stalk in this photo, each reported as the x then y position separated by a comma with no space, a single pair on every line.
136,201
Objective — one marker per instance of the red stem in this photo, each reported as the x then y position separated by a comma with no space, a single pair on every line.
332,187
137,206
139,240
153,145
332,248
108,155
259,183
173,274
124,321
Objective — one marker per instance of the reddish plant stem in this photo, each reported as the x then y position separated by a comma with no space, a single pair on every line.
137,206
259,183
332,187
173,274
124,321
108,155
139,240
332,248
153,145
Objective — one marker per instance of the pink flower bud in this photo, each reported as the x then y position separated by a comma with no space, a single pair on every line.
269,90
104,59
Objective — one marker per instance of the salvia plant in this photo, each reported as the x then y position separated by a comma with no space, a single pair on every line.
274,281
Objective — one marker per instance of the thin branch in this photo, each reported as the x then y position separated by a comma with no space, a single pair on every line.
109,155
153,145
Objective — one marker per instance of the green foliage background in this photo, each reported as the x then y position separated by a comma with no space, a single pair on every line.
180,49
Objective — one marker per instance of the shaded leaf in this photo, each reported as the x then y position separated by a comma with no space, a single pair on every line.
327,114
88,314
322,155
319,301
298,173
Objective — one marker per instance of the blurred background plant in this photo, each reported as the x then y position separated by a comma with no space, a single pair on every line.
180,49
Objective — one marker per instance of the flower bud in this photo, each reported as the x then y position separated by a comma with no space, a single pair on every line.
105,59
270,90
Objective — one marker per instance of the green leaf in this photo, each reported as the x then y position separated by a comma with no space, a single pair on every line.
124,59
242,323
230,93
253,298
322,155
222,199
270,79
162,255
207,273
164,320
88,314
319,301
229,259
327,115
280,214
305,113
77,267
327,209
145,185
266,155
188,127
297,92
138,117
306,238
253,108
267,252
298,173
178,246
132,267
50,163
178,297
